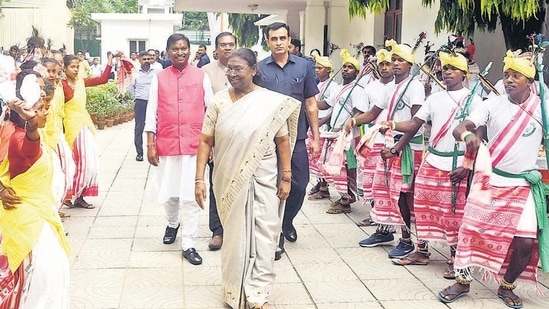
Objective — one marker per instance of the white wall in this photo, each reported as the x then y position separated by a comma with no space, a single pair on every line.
49,17
118,29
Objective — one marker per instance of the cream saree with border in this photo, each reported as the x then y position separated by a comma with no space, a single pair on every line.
245,184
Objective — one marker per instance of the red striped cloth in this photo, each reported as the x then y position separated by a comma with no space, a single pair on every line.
433,205
386,209
369,170
490,221
13,286
315,165
340,181
86,159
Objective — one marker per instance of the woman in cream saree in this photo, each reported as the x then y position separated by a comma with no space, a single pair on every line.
252,131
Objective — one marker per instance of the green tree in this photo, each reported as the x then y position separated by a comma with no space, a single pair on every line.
197,21
518,18
244,28
84,26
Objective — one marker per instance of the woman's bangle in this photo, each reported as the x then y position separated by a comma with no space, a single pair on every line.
466,134
287,171
150,145
2,189
199,181
353,122
286,179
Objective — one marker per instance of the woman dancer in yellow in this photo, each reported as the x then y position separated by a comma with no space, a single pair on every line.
34,267
79,130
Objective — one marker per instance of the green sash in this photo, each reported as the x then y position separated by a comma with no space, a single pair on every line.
534,179
407,159
445,154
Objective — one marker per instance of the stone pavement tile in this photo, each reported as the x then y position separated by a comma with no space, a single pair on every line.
103,277
146,259
153,244
95,297
413,304
111,232
381,270
322,272
203,297
202,275
153,297
357,255
393,289
308,237
335,291
100,253
145,278
285,273
120,221
136,185
301,255
290,294
342,235
344,305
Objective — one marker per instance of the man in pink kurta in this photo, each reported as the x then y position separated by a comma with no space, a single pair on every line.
175,112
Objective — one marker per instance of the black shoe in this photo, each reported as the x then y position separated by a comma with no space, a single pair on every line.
139,157
170,234
278,253
290,233
192,256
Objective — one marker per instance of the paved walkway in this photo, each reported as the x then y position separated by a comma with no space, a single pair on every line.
118,259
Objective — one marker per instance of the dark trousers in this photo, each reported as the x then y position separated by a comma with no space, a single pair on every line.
140,110
300,180
214,222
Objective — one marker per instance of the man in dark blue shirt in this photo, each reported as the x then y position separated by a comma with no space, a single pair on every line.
290,75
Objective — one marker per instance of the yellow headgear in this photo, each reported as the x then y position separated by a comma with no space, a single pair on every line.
522,65
405,52
347,58
383,55
457,61
323,61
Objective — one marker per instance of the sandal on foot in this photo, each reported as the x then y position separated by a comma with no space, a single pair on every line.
69,204
319,195
315,189
416,258
366,222
449,274
516,302
443,298
337,208
80,202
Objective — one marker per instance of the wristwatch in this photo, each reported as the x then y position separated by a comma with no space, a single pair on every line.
393,151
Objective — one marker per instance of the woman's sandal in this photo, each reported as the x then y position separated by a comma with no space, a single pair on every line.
319,195
449,274
69,204
80,202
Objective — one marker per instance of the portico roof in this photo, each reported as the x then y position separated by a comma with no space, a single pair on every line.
241,6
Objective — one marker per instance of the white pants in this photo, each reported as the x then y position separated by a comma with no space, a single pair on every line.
189,227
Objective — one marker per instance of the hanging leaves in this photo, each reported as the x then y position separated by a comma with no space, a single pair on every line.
244,28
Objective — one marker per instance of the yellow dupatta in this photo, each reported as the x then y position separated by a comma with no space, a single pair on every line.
21,227
54,121
76,115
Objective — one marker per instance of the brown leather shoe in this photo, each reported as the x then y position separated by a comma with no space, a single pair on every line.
216,242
